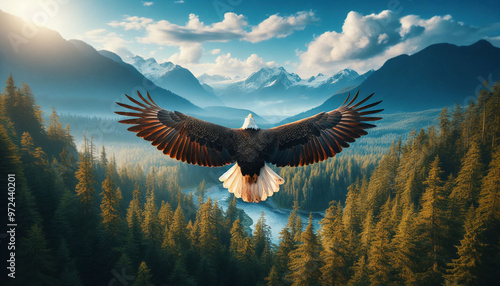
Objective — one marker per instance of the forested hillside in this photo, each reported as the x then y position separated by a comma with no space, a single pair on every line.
426,213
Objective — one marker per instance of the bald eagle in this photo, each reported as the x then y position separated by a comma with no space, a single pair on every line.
189,139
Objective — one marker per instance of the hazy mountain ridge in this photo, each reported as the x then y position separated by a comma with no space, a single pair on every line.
72,76
270,88
172,77
438,76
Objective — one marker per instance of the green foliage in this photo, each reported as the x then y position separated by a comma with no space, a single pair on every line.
313,186
426,213
143,277
336,254
468,181
85,175
305,261
111,197
465,269
176,237
36,261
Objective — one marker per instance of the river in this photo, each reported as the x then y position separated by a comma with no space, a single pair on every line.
276,218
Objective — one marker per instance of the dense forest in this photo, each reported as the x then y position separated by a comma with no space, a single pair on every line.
426,213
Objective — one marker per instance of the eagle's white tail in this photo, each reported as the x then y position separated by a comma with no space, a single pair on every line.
252,188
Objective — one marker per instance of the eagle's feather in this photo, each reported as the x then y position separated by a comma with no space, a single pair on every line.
300,143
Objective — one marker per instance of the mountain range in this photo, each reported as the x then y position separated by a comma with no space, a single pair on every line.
176,79
274,91
75,78
437,76
71,76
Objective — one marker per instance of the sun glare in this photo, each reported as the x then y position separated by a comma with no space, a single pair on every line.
42,13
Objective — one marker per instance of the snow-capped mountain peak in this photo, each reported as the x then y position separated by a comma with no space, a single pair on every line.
150,68
343,75
267,77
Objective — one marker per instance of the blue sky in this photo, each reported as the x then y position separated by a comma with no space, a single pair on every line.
237,37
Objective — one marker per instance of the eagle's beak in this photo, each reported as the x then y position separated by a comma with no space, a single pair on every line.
251,115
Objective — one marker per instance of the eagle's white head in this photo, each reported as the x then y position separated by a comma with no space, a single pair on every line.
249,123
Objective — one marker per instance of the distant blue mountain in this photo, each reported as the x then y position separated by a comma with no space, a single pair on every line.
177,79
274,90
438,76
71,75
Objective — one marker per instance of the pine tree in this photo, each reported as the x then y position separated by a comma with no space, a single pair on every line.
36,263
405,248
55,130
273,279
382,180
231,213
247,254
433,224
180,275
207,241
85,175
294,222
361,276
305,261
220,230
28,147
489,198
111,197
104,159
368,232
135,237
28,100
68,273
298,229
151,224
237,238
143,277
380,253
165,215
134,211
444,123
464,270
201,192
176,239
282,258
261,236
205,272
352,214
10,90
337,260
124,266
488,218
468,181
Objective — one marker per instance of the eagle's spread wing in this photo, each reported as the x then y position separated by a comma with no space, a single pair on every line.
321,136
180,136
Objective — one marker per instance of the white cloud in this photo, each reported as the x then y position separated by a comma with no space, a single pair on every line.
187,54
226,65
165,33
494,40
147,4
104,40
215,51
190,36
277,26
132,23
179,1
366,42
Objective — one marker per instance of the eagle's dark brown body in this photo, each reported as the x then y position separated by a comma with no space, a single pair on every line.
254,149
303,142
